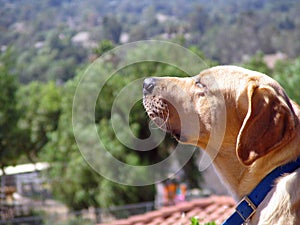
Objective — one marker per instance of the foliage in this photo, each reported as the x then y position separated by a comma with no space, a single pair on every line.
40,105
257,63
8,113
28,114
195,221
104,46
227,32
55,58
287,73
87,188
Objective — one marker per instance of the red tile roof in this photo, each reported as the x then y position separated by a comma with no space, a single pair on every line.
214,208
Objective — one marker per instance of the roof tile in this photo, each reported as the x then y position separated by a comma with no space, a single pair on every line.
213,208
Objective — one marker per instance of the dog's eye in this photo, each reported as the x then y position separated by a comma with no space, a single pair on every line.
199,84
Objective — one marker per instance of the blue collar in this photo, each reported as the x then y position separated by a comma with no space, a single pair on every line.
246,208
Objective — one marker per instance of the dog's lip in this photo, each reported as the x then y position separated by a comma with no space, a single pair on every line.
177,134
164,125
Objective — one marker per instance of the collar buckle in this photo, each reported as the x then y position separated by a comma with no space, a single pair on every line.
246,209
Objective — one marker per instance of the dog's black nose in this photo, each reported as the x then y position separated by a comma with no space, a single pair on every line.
148,85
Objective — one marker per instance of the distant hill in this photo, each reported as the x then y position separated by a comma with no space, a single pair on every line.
227,31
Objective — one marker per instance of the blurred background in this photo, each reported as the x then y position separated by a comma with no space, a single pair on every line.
45,46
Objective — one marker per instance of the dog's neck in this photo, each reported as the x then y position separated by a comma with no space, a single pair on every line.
230,171
241,180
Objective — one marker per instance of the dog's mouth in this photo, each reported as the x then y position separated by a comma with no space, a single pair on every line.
161,112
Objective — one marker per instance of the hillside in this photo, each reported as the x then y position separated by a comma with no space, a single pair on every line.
63,33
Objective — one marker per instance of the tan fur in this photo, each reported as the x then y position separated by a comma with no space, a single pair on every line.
262,131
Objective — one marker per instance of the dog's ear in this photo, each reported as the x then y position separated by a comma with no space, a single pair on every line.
269,123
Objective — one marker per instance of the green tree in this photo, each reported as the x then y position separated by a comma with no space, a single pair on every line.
56,59
9,152
86,188
40,105
74,182
104,46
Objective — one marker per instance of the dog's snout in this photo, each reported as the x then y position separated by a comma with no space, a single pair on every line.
148,85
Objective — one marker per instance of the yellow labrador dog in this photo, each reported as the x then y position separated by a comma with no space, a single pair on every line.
261,133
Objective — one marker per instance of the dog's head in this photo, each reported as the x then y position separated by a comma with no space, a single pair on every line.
174,105
259,116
